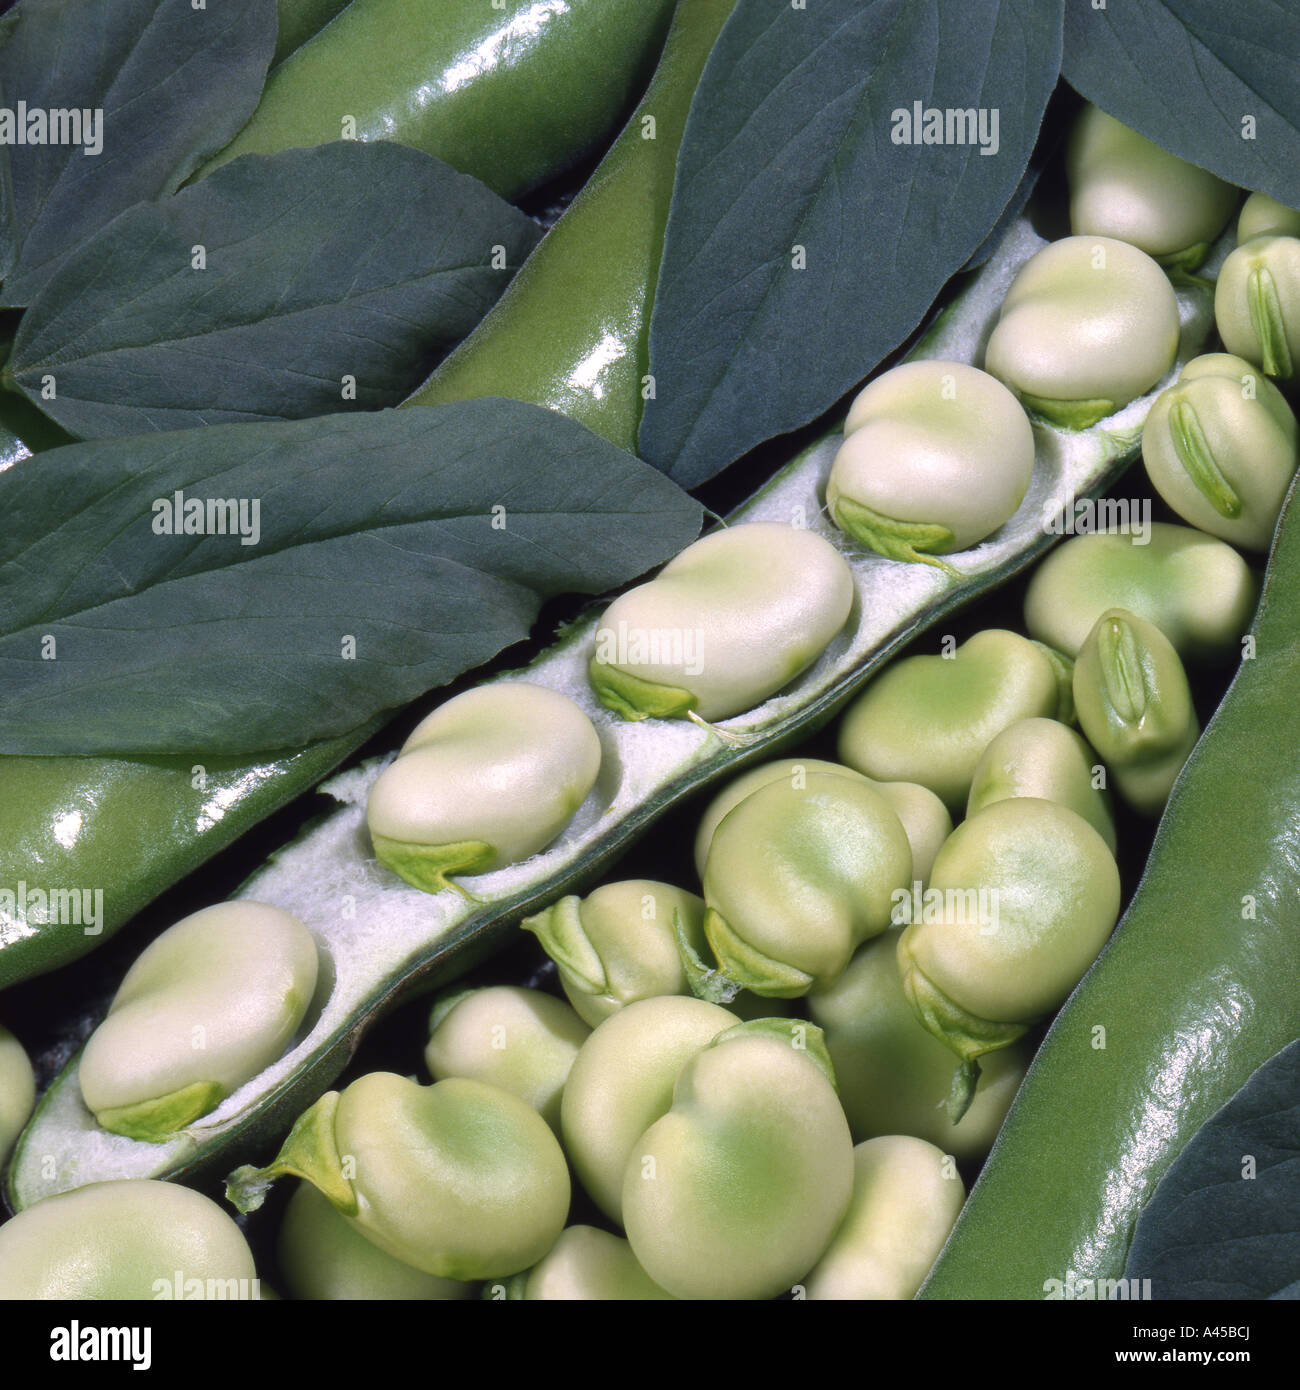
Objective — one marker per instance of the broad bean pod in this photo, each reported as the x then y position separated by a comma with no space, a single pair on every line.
502,91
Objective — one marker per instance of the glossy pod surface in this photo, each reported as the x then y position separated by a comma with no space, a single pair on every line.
505,92
572,329
1199,986
125,829
299,20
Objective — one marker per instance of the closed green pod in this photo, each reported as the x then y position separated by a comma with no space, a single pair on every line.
503,91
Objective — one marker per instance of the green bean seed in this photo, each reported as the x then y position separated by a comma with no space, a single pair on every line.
618,944
925,818
1257,303
136,1239
794,770
797,878
622,1082
1220,447
906,1197
1088,324
460,1179
1030,893
1135,706
324,1257
729,622
936,456
1198,591
737,1190
211,1003
589,1265
1042,758
1124,186
522,1040
487,780
893,1075
928,719
17,1090
1265,216
1063,667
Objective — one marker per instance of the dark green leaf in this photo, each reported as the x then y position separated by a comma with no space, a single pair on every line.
174,84
1016,205
1213,83
300,20
790,144
429,535
1224,1221
356,260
